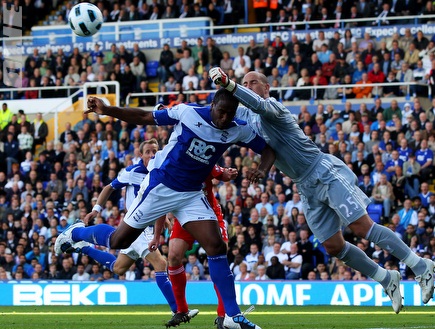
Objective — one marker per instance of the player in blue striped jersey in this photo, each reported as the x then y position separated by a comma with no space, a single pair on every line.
328,188
130,178
201,135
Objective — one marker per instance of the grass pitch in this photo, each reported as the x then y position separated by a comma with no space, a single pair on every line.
267,317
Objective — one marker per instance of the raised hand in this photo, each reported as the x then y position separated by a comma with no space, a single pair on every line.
96,105
219,77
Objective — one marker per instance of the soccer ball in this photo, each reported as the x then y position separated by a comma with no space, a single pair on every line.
85,19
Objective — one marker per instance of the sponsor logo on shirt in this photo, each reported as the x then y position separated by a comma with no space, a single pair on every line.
200,151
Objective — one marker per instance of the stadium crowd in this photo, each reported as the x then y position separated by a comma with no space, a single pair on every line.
45,187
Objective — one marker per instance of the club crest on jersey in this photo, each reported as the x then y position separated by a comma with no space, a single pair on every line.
200,151
224,136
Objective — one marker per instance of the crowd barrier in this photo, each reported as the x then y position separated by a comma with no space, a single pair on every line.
291,293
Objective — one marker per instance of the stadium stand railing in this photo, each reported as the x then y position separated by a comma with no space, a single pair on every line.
282,90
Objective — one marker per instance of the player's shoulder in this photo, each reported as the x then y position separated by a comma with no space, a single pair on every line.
203,111
188,107
192,112
137,168
239,122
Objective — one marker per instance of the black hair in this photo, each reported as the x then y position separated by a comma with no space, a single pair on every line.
224,95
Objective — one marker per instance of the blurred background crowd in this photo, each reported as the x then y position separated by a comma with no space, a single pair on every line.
386,137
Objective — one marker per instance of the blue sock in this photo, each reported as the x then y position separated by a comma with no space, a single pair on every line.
96,234
102,257
224,280
166,287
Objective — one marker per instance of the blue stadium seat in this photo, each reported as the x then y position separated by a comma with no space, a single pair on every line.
375,212
151,69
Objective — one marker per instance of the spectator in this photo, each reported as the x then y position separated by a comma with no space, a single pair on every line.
405,75
67,271
193,261
5,116
407,215
211,51
383,194
357,74
277,252
425,194
420,41
363,44
96,274
276,270
265,204
293,264
396,63
81,275
388,90
411,55
383,16
82,189
243,275
237,60
226,62
11,149
252,257
190,78
25,142
196,276
165,62
361,90
187,62
294,203
39,130
424,156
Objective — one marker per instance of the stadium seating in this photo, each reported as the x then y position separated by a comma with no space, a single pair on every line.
375,212
151,69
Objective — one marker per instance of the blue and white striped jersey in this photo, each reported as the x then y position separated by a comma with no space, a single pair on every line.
195,145
130,178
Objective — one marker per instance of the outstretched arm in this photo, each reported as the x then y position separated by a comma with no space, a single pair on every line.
127,114
264,106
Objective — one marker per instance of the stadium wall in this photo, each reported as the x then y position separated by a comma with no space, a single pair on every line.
296,293
152,36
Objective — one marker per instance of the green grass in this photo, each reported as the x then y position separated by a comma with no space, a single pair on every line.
268,317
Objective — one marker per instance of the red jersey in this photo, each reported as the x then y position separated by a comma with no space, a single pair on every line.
180,233
208,191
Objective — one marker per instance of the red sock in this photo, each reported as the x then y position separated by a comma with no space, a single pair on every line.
220,309
178,280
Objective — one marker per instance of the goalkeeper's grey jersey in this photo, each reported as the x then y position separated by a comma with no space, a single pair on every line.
296,154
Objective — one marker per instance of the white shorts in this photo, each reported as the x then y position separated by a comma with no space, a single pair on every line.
139,248
155,200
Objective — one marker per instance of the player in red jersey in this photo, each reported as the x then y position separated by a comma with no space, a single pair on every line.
181,241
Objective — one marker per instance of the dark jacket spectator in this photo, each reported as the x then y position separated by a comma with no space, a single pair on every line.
276,270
